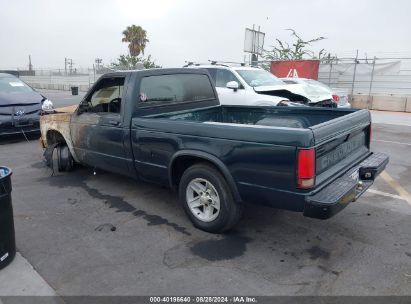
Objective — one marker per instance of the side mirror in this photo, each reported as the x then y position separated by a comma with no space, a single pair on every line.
83,106
233,85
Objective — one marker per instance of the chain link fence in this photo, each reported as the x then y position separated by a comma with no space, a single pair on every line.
61,79
375,76
364,76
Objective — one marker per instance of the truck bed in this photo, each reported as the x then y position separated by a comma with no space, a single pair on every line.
273,125
263,116
340,137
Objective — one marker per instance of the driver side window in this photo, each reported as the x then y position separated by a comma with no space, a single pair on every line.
106,97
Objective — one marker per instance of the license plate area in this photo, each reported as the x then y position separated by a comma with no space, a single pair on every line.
23,123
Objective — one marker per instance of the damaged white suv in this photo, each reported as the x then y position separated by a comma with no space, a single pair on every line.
244,85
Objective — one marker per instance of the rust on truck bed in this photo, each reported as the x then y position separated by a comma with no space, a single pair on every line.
55,128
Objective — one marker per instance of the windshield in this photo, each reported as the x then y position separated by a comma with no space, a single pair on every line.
13,85
257,78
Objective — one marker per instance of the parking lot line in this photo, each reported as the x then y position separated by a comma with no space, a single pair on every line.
392,142
386,194
397,187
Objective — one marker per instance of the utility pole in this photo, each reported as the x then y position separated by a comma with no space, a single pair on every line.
30,65
68,62
98,62
71,65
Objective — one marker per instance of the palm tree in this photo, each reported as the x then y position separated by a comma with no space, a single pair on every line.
136,36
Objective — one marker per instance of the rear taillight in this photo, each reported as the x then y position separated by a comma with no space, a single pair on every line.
336,98
306,168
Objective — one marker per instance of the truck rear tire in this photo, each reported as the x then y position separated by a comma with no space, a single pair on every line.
207,199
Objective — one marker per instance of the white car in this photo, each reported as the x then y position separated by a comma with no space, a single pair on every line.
244,85
338,95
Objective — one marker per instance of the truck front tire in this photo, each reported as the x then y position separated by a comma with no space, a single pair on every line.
207,199
65,161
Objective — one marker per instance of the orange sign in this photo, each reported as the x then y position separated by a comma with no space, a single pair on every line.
296,68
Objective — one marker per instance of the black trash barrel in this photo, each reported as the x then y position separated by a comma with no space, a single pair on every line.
74,90
7,240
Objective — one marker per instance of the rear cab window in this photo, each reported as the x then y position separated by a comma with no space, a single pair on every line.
158,90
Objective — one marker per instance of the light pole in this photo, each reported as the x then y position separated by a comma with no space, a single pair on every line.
98,61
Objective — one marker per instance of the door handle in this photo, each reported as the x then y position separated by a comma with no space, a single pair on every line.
113,122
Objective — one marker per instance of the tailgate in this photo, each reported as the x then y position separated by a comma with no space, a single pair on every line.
340,143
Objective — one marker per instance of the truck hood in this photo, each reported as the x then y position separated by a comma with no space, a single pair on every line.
68,109
307,93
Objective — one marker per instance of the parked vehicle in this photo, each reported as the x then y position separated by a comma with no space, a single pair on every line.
339,96
166,126
244,85
20,106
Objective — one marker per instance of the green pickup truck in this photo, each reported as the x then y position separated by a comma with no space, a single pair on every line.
166,126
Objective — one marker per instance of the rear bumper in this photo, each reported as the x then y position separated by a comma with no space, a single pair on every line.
345,189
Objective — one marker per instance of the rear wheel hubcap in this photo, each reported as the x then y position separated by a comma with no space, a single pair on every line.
203,200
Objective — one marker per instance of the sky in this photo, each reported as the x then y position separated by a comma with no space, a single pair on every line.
196,30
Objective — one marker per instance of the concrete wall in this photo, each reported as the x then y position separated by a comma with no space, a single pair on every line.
389,103
361,101
381,103
408,105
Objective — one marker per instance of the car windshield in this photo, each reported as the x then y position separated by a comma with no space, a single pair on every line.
13,85
258,78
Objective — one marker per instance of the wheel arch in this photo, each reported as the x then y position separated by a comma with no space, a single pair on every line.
186,158
54,136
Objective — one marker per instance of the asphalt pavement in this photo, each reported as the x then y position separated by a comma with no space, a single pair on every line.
105,234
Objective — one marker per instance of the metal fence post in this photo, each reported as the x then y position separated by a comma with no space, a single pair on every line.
353,77
329,74
372,77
